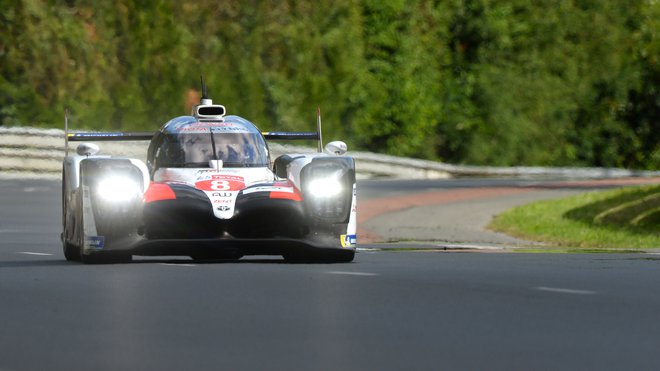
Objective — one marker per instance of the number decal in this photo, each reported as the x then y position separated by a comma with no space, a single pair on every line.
221,183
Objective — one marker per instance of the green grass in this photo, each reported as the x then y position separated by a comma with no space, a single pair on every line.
621,219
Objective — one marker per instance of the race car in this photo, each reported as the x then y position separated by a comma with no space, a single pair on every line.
208,190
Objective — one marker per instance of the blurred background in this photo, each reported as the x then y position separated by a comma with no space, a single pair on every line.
483,82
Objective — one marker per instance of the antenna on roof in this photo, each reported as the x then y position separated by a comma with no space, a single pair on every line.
205,93
206,110
318,128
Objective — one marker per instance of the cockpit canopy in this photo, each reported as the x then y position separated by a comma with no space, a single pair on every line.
187,142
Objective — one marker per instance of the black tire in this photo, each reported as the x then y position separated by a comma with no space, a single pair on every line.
71,251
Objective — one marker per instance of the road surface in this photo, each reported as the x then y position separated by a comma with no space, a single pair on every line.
389,310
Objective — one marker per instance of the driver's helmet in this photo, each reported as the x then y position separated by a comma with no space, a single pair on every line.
190,143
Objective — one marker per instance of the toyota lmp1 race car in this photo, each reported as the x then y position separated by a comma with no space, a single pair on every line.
209,191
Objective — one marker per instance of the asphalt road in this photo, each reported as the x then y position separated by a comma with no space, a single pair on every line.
388,310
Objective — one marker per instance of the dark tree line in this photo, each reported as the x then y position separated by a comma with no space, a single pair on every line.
515,82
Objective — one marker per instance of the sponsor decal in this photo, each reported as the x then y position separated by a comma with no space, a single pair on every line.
348,240
268,189
206,124
95,242
293,195
224,208
223,201
206,173
196,125
221,194
221,183
216,129
78,135
229,129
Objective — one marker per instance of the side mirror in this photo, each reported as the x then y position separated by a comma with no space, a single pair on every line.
87,149
336,148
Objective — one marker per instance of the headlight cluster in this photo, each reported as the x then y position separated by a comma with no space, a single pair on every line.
118,189
327,189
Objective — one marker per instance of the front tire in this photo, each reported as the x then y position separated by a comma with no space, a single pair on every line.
71,251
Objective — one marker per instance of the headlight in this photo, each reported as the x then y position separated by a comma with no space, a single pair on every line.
118,189
325,187
327,184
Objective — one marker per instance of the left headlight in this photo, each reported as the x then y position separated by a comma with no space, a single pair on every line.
329,186
119,189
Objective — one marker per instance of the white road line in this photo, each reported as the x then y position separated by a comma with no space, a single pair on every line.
30,231
13,231
566,291
33,253
367,249
35,189
469,246
179,265
365,274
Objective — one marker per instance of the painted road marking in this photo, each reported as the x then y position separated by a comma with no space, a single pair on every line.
33,253
35,189
15,231
470,246
365,274
566,291
30,231
179,265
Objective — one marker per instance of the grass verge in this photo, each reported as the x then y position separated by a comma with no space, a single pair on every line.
626,218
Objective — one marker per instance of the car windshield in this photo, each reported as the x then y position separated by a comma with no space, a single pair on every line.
244,149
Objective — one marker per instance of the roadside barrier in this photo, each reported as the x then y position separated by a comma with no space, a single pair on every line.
38,153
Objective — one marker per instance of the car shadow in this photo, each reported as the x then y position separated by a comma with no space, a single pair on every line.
182,261
65,263
146,261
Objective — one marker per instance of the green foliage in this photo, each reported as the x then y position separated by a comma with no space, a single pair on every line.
502,82
621,219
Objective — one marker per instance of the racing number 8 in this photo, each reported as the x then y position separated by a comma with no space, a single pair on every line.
220,185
